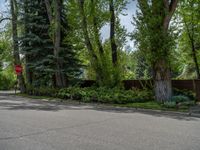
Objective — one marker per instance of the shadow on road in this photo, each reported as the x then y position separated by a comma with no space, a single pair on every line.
12,102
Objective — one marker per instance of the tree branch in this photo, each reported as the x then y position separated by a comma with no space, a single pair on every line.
85,30
172,6
171,10
166,3
49,12
3,19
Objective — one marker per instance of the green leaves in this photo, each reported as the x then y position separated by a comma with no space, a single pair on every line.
105,95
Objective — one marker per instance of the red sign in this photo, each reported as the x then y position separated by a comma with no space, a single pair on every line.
18,69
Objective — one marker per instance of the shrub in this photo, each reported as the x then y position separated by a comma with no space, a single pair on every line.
170,104
41,91
7,81
179,99
187,93
105,95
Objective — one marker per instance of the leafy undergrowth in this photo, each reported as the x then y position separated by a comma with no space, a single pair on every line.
155,106
105,95
115,97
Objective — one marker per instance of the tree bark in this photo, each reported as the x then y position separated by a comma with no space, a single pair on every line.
195,59
59,75
49,11
96,30
56,19
85,31
29,76
162,73
162,78
84,26
112,33
13,8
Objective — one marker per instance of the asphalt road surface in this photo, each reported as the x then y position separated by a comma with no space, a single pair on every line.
27,124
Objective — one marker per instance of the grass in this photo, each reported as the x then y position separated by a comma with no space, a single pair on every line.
144,105
153,105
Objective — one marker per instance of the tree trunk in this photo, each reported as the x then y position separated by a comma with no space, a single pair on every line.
112,34
195,59
162,73
57,44
191,32
13,6
162,81
56,18
29,77
85,31
84,26
49,11
96,30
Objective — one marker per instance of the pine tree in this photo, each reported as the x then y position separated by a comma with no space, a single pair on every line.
37,45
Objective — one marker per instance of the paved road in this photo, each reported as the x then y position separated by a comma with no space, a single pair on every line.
39,125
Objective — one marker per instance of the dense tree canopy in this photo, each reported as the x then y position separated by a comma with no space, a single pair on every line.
60,42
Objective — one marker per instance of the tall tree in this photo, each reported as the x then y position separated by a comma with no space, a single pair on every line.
153,34
94,15
17,61
36,44
189,12
56,21
60,78
112,33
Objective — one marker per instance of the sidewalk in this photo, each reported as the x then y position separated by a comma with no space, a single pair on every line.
195,110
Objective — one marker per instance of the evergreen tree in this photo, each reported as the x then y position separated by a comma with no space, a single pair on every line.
37,46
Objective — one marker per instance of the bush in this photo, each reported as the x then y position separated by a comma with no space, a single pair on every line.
177,101
170,104
41,91
7,81
180,98
187,93
105,95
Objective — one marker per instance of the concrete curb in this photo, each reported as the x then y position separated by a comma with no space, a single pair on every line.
144,110
117,108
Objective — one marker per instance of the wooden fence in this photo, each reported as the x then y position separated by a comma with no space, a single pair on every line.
192,85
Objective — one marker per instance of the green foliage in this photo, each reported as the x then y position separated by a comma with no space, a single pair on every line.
142,69
99,65
170,104
38,47
149,34
189,38
186,93
108,75
179,99
105,95
41,91
7,79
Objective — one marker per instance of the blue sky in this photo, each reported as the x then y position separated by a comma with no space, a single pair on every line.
2,5
125,21
3,10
